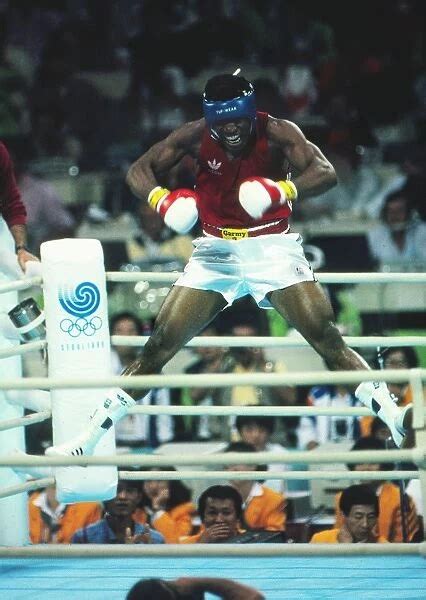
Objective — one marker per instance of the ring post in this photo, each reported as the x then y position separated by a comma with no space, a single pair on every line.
77,331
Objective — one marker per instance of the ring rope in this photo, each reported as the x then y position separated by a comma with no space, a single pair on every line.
215,380
28,486
23,349
415,455
135,276
278,475
26,420
276,342
205,550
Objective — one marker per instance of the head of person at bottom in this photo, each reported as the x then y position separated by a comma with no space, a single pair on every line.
360,507
159,589
220,508
229,108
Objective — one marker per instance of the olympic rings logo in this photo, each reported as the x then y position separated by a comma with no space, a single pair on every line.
81,326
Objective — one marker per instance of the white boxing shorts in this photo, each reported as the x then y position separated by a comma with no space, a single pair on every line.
251,266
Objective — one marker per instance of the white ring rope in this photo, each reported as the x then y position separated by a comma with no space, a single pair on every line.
415,455
135,276
204,550
275,342
256,475
28,486
23,349
239,342
37,417
215,380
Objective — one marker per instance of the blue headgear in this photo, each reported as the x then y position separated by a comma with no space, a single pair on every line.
241,106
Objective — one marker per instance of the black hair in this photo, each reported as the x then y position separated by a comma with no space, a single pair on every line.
179,492
226,87
409,353
369,442
358,494
266,422
147,589
120,316
244,447
221,492
396,195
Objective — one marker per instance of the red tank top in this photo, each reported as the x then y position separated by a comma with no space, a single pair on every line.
219,178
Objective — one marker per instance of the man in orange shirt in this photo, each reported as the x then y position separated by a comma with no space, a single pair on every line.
360,508
51,522
221,513
263,508
389,498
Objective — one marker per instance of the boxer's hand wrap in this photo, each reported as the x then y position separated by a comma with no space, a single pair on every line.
178,208
259,194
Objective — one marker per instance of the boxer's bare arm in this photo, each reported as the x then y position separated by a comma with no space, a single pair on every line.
143,174
315,173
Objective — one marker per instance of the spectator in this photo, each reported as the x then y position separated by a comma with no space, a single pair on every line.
166,506
48,217
254,360
155,241
220,508
118,525
210,360
187,588
398,357
360,509
399,242
13,216
314,431
388,494
52,522
138,430
257,430
263,508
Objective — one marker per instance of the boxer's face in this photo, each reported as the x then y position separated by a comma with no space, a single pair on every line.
233,135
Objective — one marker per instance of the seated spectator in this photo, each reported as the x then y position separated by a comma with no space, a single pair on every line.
118,525
137,430
156,241
263,508
166,506
314,431
398,357
257,431
388,494
52,522
48,216
360,511
209,359
192,588
253,360
399,242
220,508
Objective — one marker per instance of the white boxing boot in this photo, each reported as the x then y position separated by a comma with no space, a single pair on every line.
375,395
114,407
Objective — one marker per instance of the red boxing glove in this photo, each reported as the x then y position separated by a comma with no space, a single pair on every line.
259,194
178,208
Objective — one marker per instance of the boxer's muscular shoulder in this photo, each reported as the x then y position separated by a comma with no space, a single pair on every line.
188,137
282,132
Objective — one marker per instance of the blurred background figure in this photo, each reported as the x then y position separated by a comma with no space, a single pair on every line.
398,243
52,522
138,430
